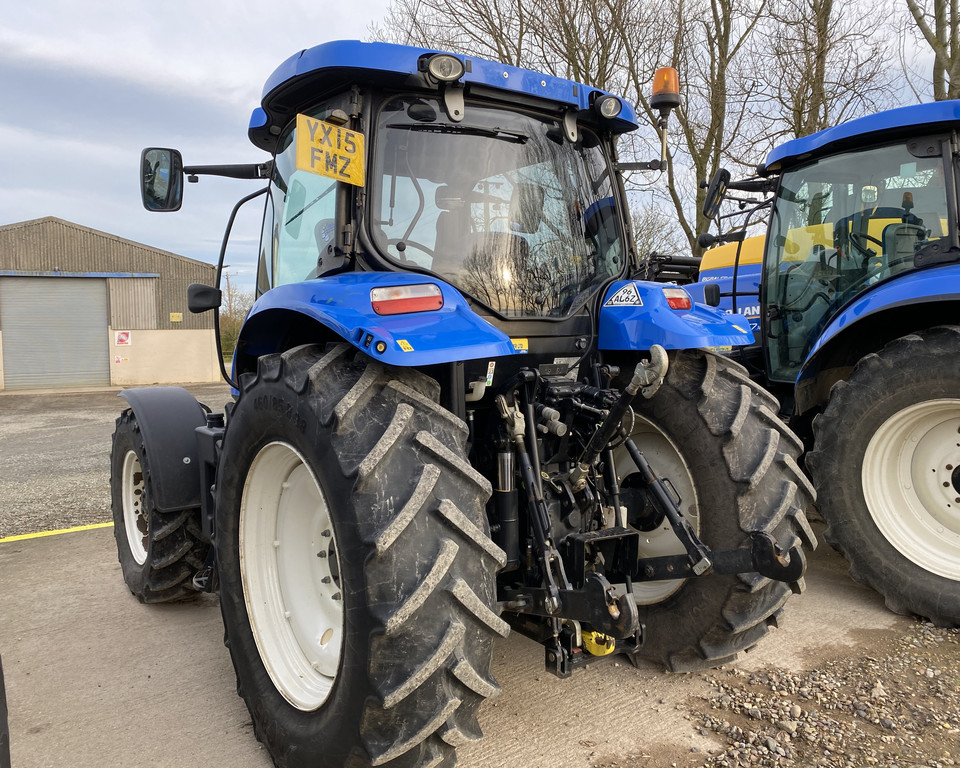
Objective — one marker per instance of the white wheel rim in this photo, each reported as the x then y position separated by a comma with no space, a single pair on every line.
135,521
290,573
911,484
667,461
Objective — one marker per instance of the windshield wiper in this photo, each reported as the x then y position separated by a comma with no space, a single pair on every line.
310,205
466,130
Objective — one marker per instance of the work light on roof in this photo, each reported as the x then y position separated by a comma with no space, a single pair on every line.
445,67
608,106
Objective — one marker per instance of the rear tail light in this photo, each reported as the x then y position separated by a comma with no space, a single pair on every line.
399,299
677,298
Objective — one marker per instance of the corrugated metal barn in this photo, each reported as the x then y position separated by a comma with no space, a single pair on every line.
79,307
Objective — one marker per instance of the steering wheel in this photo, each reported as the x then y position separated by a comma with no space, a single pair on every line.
858,240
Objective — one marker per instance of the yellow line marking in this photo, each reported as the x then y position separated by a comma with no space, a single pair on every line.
39,534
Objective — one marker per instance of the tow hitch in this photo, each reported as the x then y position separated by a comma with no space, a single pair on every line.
763,556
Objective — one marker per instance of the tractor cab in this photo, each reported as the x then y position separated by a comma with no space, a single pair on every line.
841,226
854,213
504,205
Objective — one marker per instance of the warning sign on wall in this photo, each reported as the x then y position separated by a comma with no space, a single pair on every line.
122,338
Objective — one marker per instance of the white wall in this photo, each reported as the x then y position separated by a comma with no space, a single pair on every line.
164,357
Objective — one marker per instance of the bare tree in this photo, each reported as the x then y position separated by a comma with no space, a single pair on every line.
725,118
705,40
233,311
655,230
821,65
938,26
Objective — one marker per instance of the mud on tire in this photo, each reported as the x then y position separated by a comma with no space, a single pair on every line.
159,552
885,459
414,568
741,462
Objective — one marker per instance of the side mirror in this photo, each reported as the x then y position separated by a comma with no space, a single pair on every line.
716,189
711,295
161,179
203,298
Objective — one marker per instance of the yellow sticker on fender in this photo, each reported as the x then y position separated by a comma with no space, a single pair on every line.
329,150
404,345
520,345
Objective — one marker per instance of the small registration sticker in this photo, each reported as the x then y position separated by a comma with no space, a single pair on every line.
404,345
330,150
628,296
520,345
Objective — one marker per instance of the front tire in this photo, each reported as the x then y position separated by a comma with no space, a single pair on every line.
715,435
356,571
159,552
885,463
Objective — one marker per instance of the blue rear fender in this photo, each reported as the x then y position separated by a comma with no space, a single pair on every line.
341,303
635,315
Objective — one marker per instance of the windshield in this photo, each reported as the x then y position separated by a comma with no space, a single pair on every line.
299,240
840,226
501,205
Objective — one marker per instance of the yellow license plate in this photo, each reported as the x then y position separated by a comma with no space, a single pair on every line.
329,150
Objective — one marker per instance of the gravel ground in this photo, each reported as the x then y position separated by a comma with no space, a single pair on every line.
896,707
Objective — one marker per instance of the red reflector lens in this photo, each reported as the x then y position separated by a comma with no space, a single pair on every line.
677,298
400,299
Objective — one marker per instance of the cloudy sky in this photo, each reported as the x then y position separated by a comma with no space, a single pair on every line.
86,86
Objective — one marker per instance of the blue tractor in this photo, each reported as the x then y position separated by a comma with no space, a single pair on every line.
454,413
856,304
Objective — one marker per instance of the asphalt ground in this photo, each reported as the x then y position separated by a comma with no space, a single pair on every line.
94,678
55,456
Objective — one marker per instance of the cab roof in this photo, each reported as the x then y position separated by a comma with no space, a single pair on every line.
309,75
900,123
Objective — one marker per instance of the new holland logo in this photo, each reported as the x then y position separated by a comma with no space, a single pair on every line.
625,297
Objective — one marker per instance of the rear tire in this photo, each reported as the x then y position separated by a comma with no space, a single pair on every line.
715,435
396,676
159,552
885,463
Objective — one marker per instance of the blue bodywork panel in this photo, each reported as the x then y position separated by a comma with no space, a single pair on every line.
371,60
933,285
748,288
636,321
342,303
918,117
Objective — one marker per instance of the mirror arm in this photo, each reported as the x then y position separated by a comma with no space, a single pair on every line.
245,171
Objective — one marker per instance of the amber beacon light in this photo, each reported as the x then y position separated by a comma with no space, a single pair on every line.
666,90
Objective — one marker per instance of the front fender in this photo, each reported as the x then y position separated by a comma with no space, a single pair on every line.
168,418
342,303
930,285
635,316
